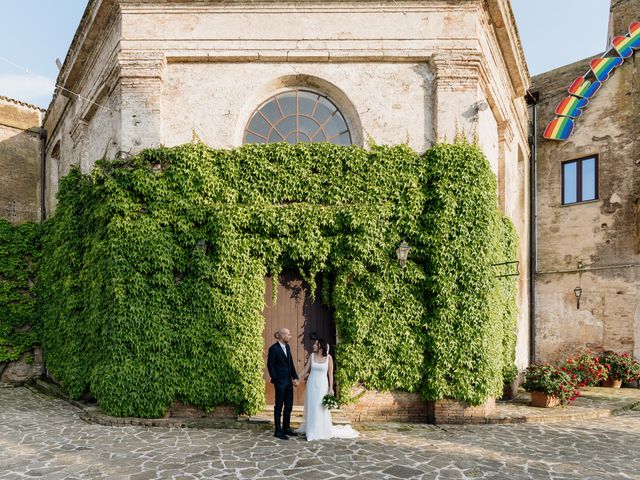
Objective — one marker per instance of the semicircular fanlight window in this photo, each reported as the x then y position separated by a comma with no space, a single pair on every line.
297,116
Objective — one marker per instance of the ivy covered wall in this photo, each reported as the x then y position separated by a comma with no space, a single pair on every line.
152,279
18,252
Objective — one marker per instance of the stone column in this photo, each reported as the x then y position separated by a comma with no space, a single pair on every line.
141,79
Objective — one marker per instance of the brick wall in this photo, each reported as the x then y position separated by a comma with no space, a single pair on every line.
183,410
453,411
376,406
396,406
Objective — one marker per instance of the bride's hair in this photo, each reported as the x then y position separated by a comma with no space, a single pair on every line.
322,344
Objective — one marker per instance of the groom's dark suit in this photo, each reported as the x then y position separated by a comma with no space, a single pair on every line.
282,371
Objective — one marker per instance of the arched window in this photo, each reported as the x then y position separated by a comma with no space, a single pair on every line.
297,116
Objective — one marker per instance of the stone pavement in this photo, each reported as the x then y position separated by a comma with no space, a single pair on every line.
43,437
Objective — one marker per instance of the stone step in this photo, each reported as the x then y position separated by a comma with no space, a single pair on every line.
265,417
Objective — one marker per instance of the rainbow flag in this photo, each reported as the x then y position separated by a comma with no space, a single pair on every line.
581,90
584,88
571,107
602,67
560,128
627,44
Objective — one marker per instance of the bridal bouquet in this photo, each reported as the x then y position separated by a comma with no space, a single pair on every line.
330,402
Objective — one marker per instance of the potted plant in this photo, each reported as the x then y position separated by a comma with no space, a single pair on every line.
550,385
622,367
587,368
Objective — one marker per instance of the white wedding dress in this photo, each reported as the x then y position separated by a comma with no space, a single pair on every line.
316,423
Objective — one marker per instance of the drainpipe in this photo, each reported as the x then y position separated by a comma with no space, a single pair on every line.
43,174
532,100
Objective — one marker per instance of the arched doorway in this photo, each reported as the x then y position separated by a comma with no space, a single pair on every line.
294,310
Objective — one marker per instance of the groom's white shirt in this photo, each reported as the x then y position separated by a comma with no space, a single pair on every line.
284,347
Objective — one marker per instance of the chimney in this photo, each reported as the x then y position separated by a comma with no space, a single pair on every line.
622,14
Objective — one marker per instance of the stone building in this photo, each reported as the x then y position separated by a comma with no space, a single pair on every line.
588,227
146,73
20,184
20,196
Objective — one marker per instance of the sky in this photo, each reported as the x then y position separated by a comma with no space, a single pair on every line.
36,32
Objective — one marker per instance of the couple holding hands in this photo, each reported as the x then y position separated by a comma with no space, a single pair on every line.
318,373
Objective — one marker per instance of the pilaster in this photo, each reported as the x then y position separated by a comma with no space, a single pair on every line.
141,80
456,88
505,141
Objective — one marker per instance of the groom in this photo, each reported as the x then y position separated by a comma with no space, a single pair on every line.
284,377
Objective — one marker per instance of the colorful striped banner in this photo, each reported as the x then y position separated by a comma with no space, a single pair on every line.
571,107
602,67
584,88
581,90
627,44
560,128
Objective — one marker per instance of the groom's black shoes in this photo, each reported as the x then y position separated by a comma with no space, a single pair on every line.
290,432
281,436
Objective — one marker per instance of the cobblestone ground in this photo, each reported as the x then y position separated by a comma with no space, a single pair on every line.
42,437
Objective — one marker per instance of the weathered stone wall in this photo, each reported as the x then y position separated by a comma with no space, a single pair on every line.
29,366
412,72
622,14
593,245
231,105
19,161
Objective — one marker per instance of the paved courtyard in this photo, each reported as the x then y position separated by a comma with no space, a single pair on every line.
43,437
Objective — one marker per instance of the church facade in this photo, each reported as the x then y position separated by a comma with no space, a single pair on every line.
150,73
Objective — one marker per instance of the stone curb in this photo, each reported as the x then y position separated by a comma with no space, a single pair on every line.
92,414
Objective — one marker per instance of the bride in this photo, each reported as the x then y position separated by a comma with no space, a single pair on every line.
318,372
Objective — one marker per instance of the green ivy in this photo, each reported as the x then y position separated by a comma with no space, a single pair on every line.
471,319
18,252
152,280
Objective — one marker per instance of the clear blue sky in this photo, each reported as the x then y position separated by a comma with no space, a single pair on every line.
558,32
36,32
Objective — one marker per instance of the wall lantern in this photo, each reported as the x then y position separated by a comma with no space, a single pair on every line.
403,253
578,292
201,245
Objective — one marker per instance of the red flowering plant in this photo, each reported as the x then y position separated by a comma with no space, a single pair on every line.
621,366
587,368
551,380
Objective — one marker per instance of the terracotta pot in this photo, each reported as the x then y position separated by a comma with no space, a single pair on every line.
540,399
611,383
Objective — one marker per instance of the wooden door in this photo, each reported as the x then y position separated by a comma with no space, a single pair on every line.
305,319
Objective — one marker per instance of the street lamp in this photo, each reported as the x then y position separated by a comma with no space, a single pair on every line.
403,253
578,293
